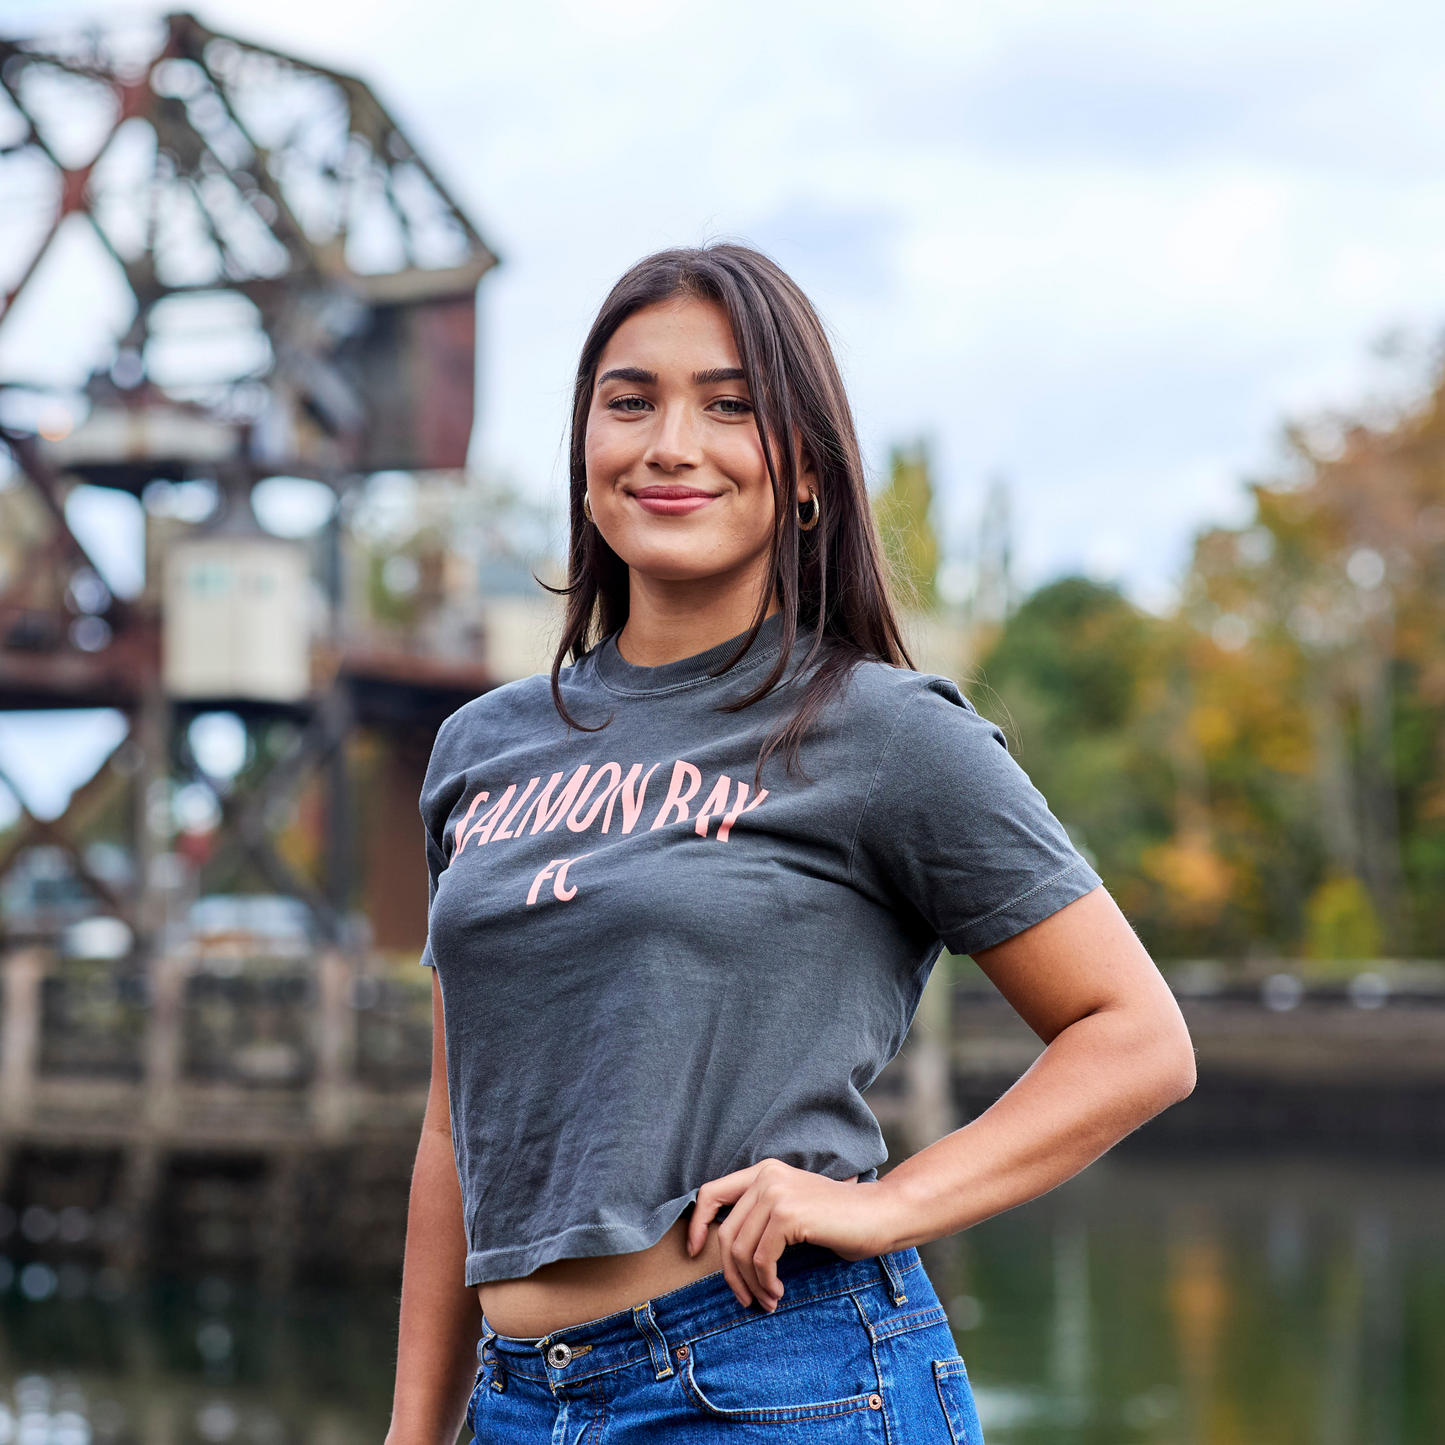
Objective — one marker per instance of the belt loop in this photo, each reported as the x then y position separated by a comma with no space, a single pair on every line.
894,1278
487,1355
647,1328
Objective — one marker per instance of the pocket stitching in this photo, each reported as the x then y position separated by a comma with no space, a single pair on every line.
773,1414
902,1324
949,1370
786,1306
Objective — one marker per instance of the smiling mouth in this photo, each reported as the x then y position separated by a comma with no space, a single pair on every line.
671,500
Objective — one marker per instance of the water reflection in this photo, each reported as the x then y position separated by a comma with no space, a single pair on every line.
1203,1303
213,1362
1209,1303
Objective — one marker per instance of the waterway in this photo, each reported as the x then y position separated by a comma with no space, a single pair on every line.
1227,1301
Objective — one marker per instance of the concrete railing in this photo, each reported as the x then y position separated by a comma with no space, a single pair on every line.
274,1051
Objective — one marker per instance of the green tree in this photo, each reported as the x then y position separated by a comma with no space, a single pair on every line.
1074,679
1077,647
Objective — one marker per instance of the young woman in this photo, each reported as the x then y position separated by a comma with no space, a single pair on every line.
685,898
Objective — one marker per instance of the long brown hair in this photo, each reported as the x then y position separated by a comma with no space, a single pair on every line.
830,580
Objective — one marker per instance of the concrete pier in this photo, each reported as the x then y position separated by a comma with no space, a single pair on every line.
231,1111
211,1112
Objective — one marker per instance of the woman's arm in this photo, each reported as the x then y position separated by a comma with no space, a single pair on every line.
441,1320
1117,1053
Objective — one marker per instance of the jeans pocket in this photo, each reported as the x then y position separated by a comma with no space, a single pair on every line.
812,1362
956,1396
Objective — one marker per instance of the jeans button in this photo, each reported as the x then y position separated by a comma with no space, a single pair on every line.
559,1356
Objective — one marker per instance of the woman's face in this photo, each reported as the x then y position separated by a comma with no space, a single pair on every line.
676,476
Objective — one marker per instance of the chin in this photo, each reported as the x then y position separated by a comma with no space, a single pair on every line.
673,569
673,556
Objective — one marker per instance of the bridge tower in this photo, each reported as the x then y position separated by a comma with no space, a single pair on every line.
263,278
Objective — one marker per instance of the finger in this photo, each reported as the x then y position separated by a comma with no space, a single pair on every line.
727,1235
766,1254
709,1200
764,1261
743,1247
703,1214
715,1195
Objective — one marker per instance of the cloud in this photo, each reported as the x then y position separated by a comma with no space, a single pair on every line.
1102,248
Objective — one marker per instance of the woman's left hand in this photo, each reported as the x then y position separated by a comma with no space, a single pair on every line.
775,1205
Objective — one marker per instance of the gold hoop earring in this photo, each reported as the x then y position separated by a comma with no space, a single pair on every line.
587,507
813,516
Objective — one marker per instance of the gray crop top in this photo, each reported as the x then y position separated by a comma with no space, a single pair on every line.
655,971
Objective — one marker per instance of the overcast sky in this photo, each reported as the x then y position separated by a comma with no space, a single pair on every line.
1099,249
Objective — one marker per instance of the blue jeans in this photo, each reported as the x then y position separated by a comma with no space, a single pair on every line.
855,1352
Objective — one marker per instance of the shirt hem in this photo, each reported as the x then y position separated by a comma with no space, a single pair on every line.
1038,903
582,1241
587,1241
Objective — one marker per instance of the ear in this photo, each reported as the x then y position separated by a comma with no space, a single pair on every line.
807,478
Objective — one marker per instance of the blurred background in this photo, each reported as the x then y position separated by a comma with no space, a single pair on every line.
1141,312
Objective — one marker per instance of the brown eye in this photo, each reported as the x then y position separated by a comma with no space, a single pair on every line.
628,403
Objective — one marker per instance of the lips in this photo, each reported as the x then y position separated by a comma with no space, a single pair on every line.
669,499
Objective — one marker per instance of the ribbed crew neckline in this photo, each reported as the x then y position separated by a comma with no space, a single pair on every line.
624,676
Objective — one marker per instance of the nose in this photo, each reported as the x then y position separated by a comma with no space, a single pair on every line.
673,444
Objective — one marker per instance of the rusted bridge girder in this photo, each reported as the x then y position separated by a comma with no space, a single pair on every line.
219,166
334,277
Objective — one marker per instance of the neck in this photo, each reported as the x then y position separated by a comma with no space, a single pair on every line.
668,620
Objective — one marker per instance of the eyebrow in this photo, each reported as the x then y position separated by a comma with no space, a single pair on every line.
634,374
640,377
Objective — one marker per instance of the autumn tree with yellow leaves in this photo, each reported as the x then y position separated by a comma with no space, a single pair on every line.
1263,771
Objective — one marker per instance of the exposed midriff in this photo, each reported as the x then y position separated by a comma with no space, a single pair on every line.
573,1291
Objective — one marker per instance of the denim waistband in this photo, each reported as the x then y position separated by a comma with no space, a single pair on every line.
658,1328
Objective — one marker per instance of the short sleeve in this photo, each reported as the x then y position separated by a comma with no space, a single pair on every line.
953,825
434,865
439,794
